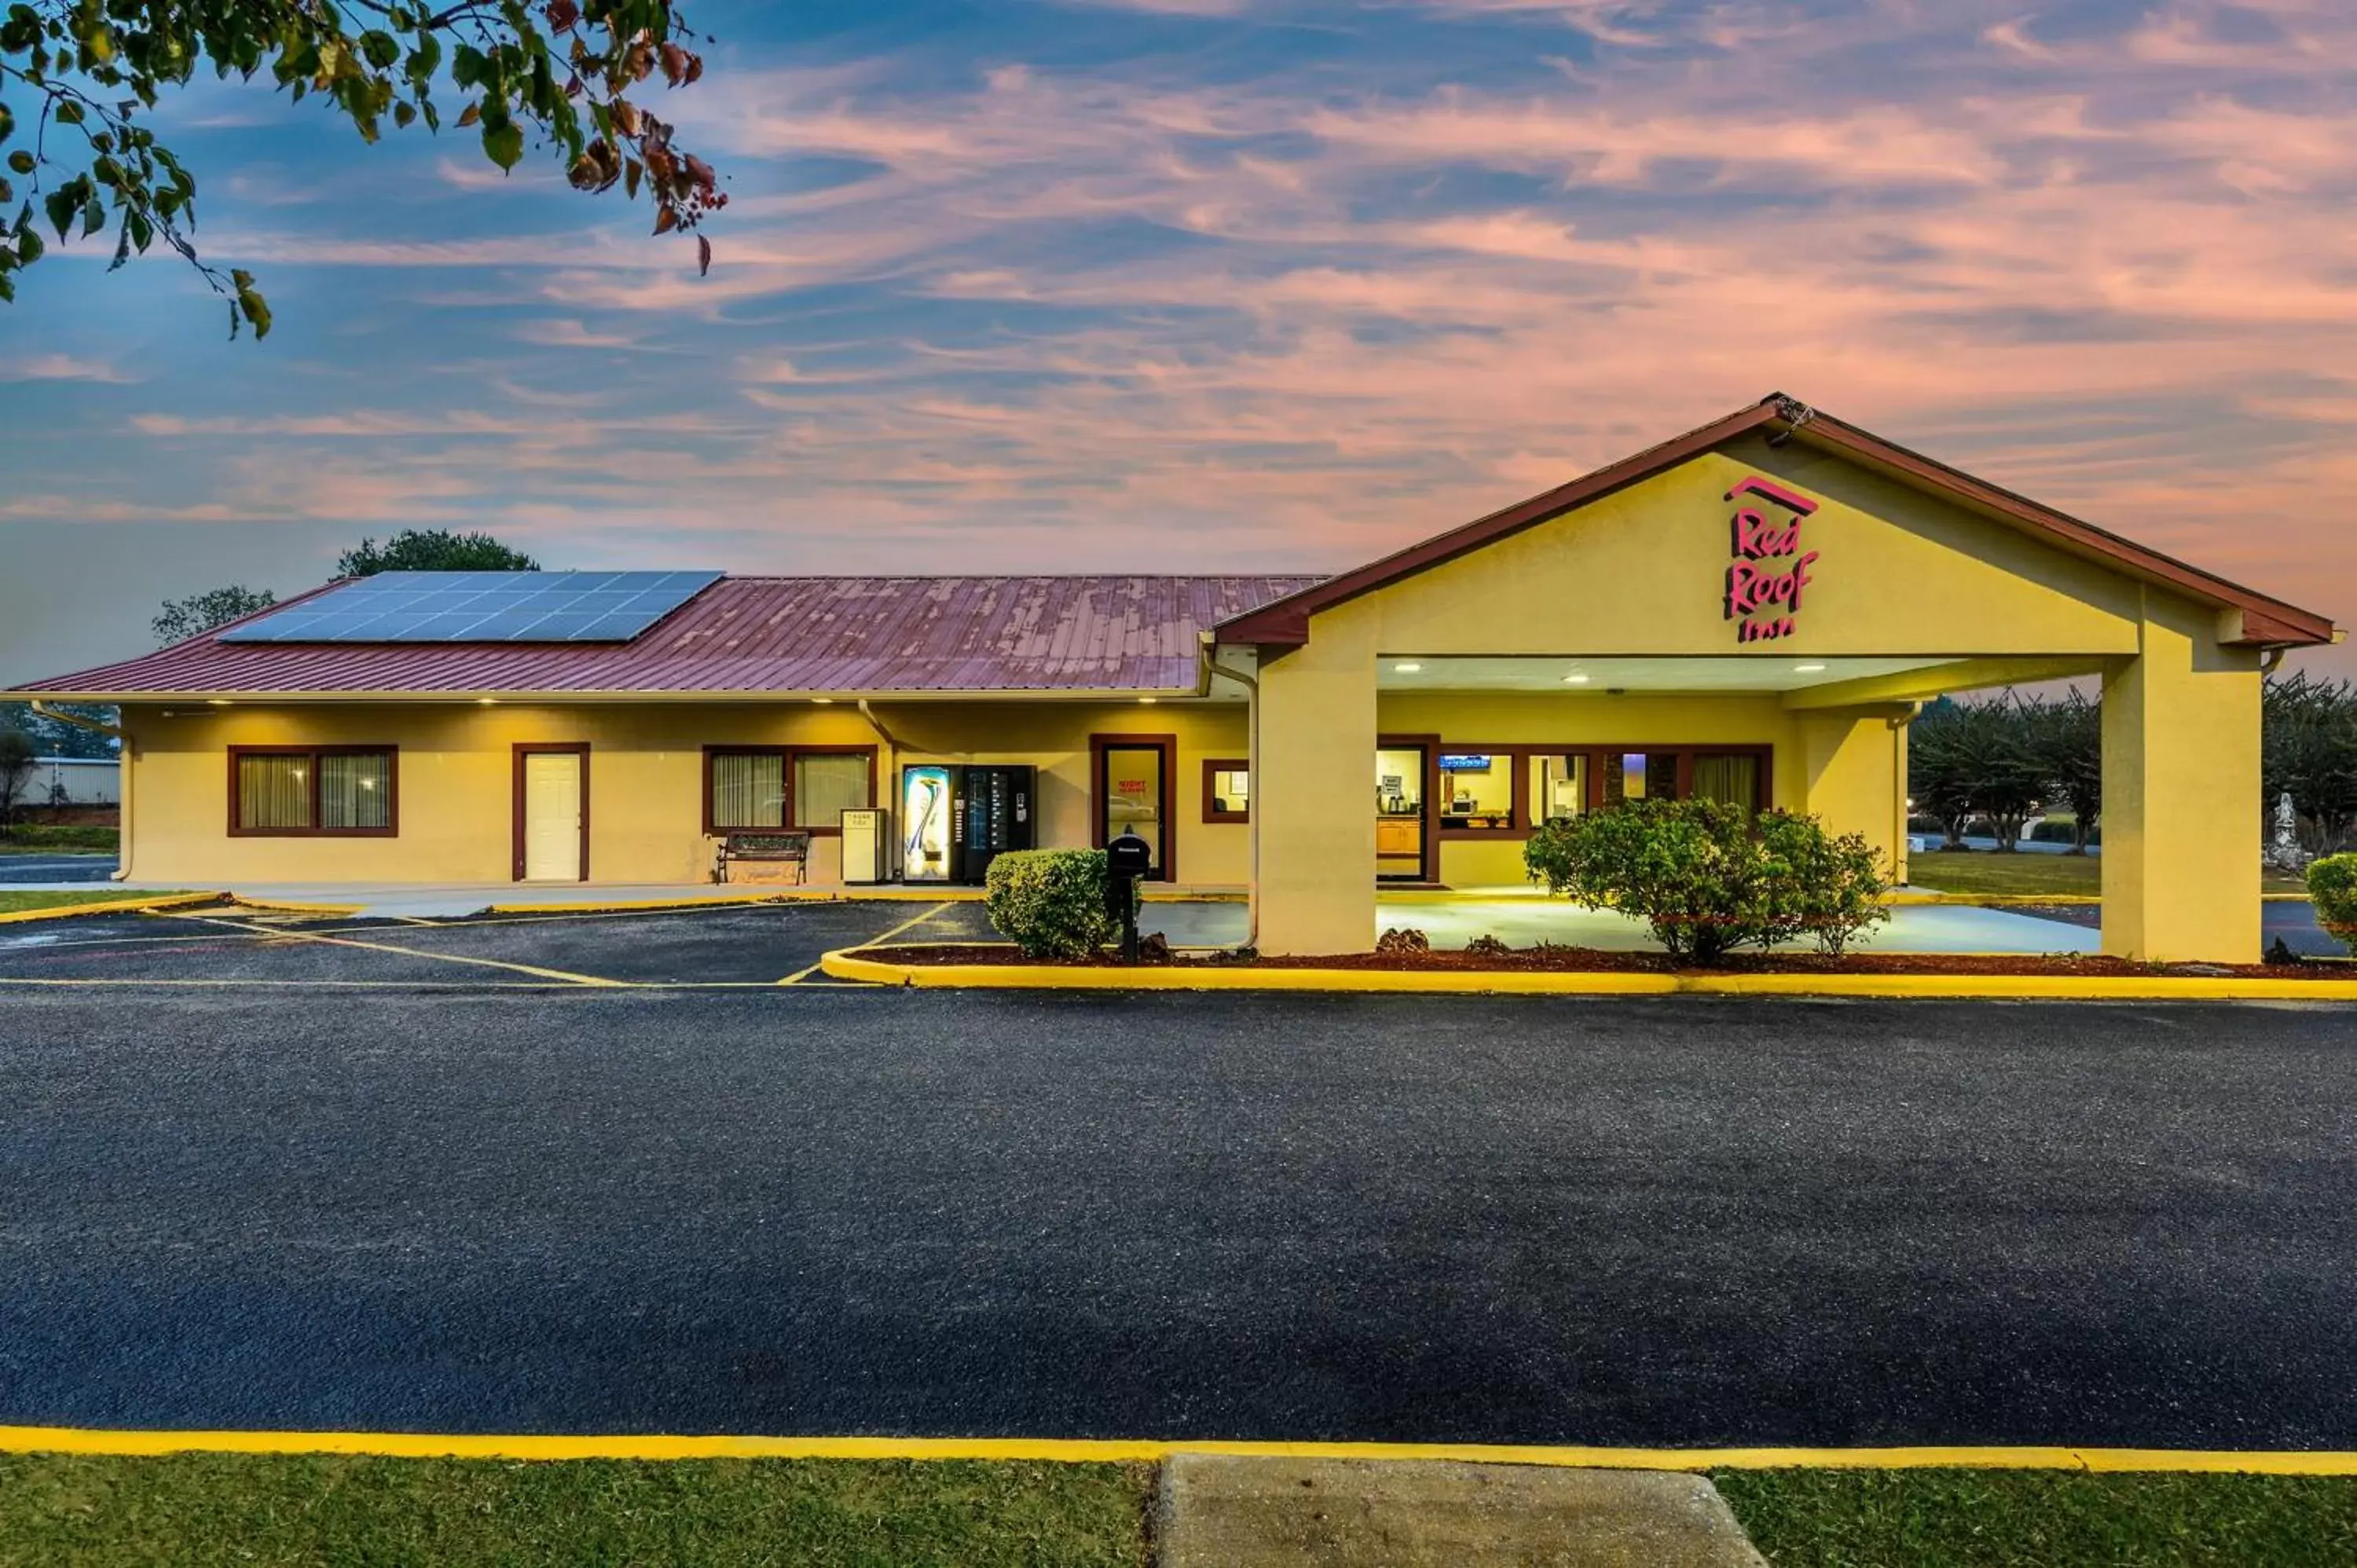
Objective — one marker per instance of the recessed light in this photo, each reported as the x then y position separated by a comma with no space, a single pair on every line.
1806,669
1145,702
218,702
823,701
486,702
1575,680
1406,669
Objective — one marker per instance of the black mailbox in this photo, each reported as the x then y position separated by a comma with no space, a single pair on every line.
1129,856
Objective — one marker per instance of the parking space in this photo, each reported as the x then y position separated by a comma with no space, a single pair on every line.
725,946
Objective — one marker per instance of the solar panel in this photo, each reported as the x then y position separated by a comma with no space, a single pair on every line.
482,606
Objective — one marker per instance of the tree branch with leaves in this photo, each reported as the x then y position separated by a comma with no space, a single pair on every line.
571,74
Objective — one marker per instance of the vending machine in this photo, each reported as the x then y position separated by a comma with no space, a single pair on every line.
928,844
954,820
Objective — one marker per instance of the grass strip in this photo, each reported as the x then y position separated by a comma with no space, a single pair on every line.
46,838
14,902
2043,1519
286,1510
2028,873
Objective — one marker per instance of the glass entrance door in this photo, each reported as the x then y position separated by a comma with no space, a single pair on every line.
1134,793
1399,812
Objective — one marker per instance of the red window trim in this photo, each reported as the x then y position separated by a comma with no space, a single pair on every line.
1213,767
391,754
1168,746
713,829
1523,751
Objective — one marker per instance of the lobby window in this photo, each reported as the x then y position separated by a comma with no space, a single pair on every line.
342,791
745,788
1558,786
829,783
1638,774
1477,791
1731,777
1227,790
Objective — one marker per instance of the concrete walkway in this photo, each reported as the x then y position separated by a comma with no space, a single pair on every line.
1517,916
1216,1512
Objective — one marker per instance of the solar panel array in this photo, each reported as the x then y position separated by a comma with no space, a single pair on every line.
481,606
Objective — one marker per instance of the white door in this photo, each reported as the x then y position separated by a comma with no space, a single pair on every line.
552,816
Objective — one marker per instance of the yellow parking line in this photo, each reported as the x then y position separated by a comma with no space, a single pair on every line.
411,952
802,974
1101,1451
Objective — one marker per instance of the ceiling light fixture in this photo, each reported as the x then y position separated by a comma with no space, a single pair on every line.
1406,669
486,702
823,701
1807,669
1145,702
1575,680
218,702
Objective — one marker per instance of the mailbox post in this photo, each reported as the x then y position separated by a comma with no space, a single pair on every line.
1127,858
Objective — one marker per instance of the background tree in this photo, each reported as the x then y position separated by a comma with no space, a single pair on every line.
1967,759
85,74
54,737
2066,742
2308,750
433,549
183,618
16,768
1939,768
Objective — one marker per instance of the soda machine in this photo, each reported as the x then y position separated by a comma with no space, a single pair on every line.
955,819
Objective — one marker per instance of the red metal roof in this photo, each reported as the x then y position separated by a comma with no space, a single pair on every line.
766,634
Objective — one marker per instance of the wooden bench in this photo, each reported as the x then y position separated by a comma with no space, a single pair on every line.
789,848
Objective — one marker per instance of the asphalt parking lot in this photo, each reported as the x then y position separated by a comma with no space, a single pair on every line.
829,1210
725,945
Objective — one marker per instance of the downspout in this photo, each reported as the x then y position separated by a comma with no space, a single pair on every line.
127,757
1898,855
1252,745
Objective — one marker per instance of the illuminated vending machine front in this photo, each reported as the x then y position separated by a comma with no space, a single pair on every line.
928,844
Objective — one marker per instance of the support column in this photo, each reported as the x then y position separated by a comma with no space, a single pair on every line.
2180,851
1856,760
1313,812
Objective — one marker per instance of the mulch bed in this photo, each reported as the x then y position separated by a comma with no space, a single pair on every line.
1588,961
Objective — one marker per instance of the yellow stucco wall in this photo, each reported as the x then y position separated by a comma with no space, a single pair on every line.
456,780
1899,573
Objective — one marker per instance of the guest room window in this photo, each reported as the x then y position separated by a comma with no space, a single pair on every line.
289,792
744,787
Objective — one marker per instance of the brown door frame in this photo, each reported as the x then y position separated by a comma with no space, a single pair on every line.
1429,863
1168,744
524,749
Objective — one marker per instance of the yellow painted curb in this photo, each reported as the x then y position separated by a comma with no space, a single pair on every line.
1103,1451
789,894
290,907
846,963
130,906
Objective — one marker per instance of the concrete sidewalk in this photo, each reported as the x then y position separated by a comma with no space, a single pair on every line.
1218,1511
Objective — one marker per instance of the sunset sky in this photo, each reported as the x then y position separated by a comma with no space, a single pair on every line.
1227,285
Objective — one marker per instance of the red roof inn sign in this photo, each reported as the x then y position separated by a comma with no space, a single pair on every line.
1770,570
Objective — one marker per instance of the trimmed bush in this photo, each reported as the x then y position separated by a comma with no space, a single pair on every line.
1052,902
2333,888
1707,878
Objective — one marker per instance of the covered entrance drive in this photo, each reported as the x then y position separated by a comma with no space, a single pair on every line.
1759,608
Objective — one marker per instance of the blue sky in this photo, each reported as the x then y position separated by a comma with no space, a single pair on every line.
1197,284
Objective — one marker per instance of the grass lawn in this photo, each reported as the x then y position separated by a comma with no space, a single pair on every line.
12,902
59,1510
2043,1519
1986,871
42,838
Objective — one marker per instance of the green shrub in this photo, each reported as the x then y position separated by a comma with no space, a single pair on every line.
1707,878
1052,902
2333,888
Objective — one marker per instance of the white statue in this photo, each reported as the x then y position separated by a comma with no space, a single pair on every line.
2285,853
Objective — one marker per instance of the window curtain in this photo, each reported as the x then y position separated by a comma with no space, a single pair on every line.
749,789
356,791
1733,779
273,791
825,786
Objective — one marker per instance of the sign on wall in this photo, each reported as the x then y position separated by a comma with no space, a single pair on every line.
1771,571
